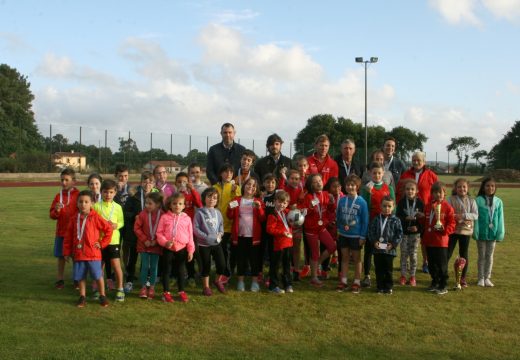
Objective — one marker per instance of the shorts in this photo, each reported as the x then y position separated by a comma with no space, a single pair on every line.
351,243
111,252
58,246
81,268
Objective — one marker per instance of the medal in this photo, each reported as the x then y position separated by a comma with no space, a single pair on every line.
320,223
382,225
491,226
289,236
79,246
153,229
318,203
381,239
80,229
352,222
429,229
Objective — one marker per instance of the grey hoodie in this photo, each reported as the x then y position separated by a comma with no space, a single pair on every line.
207,224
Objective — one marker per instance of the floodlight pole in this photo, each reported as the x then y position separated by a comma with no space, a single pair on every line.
366,62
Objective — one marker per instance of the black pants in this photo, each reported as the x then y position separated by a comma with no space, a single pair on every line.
463,248
206,253
229,254
438,266
247,254
131,251
284,256
384,266
177,260
367,259
191,265
266,250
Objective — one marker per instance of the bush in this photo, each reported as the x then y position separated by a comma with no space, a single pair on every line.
8,165
506,175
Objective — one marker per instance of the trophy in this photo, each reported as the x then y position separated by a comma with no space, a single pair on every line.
438,225
458,266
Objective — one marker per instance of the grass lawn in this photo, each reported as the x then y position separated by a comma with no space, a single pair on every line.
38,321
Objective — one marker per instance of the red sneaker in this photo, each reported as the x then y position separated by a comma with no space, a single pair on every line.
324,275
355,288
151,293
402,280
341,287
413,282
167,297
60,284
306,270
223,279
207,291
183,296
220,286
334,260
143,293
316,282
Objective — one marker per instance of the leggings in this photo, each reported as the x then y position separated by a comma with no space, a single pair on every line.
409,252
130,253
206,253
463,248
149,265
177,260
314,240
486,250
247,254
191,265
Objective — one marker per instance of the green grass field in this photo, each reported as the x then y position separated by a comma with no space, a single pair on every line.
38,321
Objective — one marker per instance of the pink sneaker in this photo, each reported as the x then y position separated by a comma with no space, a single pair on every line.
220,286
167,297
413,282
151,293
402,280
183,296
143,293
223,279
207,291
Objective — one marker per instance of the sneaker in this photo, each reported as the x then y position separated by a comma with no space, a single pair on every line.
95,295
355,288
366,283
481,282
267,282
488,283
306,270
334,260
255,287
143,293
324,275
341,287
129,286
295,276
207,291
402,280
60,284
260,278
167,297
463,282
388,291
241,286
220,286
120,296
432,288
110,284
184,297
442,291
81,302
103,301
413,282
425,268
289,289
277,290
316,282
76,285
151,293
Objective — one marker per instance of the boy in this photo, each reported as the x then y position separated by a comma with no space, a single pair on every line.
384,235
62,207
303,168
86,235
408,210
246,168
161,182
279,228
195,172
122,195
352,226
373,195
113,213
268,196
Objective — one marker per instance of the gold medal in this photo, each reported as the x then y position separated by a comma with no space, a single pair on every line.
320,223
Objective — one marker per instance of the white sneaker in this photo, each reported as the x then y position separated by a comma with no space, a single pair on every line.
129,286
241,286
488,283
255,287
481,282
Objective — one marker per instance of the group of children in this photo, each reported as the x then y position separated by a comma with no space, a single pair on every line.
241,224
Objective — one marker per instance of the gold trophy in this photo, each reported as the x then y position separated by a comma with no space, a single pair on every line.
458,266
438,225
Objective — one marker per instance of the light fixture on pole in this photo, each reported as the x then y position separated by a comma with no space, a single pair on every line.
366,62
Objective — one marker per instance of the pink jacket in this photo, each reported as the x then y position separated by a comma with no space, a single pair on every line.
183,237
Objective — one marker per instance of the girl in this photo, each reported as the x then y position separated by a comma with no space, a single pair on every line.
317,203
465,213
303,168
247,214
436,237
489,229
209,229
94,184
175,235
145,228
333,187
294,188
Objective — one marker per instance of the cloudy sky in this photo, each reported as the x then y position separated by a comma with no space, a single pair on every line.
446,67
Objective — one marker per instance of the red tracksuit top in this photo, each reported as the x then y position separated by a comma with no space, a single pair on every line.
276,228
258,218
63,216
313,214
432,237
142,232
327,169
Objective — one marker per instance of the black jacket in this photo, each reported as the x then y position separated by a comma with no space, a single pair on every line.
218,155
267,165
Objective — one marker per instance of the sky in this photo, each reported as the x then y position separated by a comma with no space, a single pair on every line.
446,68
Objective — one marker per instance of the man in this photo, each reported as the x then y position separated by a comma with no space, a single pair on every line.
227,151
274,163
393,164
320,162
346,163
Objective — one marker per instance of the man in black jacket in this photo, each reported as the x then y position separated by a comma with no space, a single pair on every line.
274,163
346,163
227,151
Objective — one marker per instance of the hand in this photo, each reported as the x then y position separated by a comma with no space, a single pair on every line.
362,242
376,245
233,187
369,185
169,244
114,225
389,247
97,245
147,243
121,185
256,204
66,258
189,186
58,207
190,257
412,229
153,243
410,218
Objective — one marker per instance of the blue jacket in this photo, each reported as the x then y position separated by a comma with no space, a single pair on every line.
359,215
392,234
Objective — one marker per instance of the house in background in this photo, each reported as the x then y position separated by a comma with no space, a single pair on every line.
172,167
62,160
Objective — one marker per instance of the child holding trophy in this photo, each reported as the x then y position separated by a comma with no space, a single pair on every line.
439,223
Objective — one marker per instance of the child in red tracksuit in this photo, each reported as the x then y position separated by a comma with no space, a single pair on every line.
280,229
333,187
62,207
247,213
86,235
436,237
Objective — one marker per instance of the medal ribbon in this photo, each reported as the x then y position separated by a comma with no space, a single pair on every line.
281,214
382,225
81,227
109,218
68,196
153,229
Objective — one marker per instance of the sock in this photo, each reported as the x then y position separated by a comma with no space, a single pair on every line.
357,281
344,280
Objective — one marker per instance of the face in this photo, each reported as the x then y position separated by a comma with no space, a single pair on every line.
122,177
377,175
389,148
270,185
351,188
160,175
347,151
322,148
147,185
181,182
211,200
417,162
177,205
462,188
303,166
227,175
228,134
108,194
250,188
410,190
195,173
94,185
275,148
387,207
281,205
438,195
335,188
67,182
490,188
84,204
294,180
379,158
150,205
317,183
246,162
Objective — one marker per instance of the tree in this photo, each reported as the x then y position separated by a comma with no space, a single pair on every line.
506,154
477,155
462,146
18,131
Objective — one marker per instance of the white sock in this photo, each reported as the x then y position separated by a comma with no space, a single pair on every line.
344,280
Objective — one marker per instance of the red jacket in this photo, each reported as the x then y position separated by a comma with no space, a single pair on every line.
328,168
258,218
276,227
432,237
313,215
142,232
97,230
69,207
191,200
426,180
294,194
